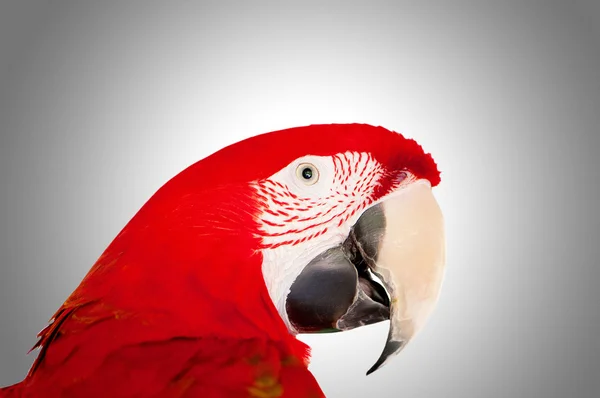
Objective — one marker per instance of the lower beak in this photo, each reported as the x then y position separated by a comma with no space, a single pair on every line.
390,267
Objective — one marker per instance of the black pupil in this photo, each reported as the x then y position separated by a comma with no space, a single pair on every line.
307,173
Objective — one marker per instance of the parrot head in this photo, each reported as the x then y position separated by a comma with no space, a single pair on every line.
304,230
351,233
344,221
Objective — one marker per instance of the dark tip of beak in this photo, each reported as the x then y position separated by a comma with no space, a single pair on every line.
391,347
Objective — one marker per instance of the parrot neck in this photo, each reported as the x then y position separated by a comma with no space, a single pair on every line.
184,277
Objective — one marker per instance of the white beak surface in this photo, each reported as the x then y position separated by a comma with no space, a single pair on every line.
411,262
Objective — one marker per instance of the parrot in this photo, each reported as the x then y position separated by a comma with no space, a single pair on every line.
203,293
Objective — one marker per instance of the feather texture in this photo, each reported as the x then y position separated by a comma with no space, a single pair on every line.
165,312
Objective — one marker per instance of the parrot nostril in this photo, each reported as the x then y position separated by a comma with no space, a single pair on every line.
401,176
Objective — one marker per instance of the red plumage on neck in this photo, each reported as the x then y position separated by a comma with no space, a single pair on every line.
183,268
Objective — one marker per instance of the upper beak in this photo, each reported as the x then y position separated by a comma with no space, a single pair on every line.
390,267
410,263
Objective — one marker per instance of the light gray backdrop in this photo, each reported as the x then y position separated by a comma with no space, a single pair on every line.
102,102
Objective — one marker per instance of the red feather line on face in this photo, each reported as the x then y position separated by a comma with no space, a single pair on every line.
356,181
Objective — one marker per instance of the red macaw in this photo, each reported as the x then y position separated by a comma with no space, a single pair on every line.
325,227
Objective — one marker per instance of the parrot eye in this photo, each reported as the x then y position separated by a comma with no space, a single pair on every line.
307,173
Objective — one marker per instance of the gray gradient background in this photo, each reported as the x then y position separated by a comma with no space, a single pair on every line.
100,104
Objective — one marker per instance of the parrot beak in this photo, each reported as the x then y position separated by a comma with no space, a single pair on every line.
391,266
